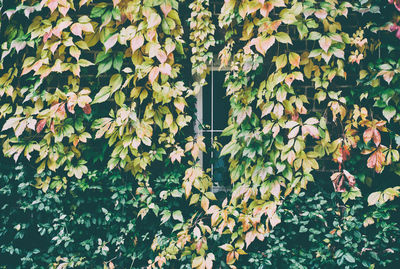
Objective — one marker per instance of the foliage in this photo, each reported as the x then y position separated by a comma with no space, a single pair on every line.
317,231
98,95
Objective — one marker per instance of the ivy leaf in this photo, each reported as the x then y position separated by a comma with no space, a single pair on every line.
198,261
165,69
104,66
283,38
75,52
154,74
76,29
11,122
119,98
389,112
281,61
349,258
111,42
373,198
102,95
40,125
325,43
314,36
118,61
153,20
166,8
294,59
227,247
177,215
263,44
137,42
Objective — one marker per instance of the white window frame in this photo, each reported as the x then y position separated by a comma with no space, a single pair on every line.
213,67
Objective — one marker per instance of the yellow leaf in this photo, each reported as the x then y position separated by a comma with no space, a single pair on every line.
205,203
198,261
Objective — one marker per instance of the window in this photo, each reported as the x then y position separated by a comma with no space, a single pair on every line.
212,113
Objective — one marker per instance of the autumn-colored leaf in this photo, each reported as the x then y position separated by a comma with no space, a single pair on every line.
376,160
111,42
325,43
137,42
40,125
76,29
154,74
166,8
294,59
161,56
87,109
165,69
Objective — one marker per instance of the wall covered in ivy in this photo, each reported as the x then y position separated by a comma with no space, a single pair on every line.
100,162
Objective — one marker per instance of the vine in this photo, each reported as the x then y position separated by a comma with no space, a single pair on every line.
86,83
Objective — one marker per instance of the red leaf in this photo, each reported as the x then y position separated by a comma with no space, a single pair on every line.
294,59
52,129
60,27
87,109
350,178
263,44
47,36
40,125
377,137
337,181
376,160
367,135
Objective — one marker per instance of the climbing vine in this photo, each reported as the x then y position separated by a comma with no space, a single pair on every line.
112,83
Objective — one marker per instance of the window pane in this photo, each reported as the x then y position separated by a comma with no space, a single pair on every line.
221,101
207,103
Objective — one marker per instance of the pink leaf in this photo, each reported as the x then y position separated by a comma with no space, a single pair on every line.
154,74
166,8
325,43
161,56
76,29
137,42
111,42
40,125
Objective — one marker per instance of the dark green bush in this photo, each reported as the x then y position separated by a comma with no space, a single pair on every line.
318,231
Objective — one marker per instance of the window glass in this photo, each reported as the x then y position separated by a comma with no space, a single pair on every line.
215,109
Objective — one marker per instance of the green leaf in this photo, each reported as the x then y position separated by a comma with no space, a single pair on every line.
117,63
104,66
349,258
283,38
314,36
84,63
177,215
102,95
389,112
373,198
119,98
281,61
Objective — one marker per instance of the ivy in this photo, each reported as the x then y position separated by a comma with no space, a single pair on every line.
111,84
